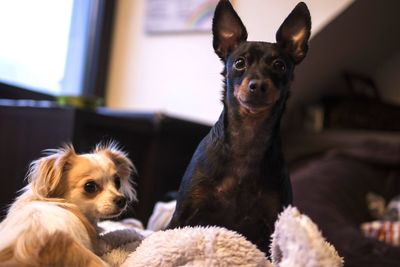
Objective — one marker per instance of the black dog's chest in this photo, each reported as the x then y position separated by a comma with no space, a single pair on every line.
242,197
248,208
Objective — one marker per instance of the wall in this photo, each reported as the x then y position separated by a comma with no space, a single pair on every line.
179,73
360,40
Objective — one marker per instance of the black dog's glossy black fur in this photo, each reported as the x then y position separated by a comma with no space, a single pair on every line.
237,177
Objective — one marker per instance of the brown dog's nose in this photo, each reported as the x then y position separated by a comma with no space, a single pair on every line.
255,85
120,202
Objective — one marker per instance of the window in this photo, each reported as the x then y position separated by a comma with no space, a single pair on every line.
55,47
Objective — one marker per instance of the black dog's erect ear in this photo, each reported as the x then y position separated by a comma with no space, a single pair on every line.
294,32
228,30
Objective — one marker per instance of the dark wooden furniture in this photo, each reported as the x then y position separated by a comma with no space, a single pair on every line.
160,146
360,113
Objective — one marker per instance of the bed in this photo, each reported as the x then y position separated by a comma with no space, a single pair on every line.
332,172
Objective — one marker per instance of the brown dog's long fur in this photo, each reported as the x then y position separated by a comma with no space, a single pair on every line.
53,222
66,252
56,250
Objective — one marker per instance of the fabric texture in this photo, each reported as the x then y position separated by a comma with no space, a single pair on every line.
161,216
384,231
332,190
296,242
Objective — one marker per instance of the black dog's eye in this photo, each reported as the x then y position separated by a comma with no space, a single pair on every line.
117,182
91,187
239,64
279,66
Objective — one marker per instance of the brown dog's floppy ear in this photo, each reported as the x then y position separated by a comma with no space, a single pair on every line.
125,167
228,30
294,33
45,174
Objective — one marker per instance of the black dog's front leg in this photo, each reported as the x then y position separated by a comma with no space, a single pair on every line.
197,189
184,218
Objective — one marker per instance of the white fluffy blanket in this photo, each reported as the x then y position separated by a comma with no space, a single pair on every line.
295,242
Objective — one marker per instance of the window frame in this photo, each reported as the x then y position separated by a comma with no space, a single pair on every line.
96,62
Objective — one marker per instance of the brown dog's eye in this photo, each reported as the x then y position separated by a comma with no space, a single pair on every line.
279,66
117,182
239,64
91,187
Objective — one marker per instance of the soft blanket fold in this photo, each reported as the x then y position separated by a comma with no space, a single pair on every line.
295,242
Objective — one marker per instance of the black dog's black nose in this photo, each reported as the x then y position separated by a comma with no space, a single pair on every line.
120,202
255,85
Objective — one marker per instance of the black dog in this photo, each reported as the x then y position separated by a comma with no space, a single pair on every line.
237,177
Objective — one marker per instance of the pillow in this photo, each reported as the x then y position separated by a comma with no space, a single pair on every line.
385,231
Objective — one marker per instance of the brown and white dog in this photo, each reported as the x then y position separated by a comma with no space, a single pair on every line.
53,221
